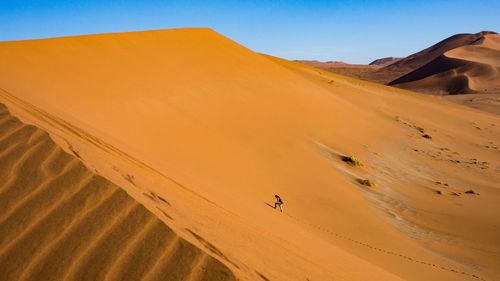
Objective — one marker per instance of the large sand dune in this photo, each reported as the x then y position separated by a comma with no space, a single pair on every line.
473,68
419,59
60,221
203,132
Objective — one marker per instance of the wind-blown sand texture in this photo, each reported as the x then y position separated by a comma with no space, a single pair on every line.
60,221
203,132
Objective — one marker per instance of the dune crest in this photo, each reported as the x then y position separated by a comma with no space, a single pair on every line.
60,221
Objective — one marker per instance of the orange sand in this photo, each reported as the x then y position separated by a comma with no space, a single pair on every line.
216,130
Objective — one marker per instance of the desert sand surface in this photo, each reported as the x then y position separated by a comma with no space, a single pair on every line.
486,102
360,71
202,132
335,64
61,221
352,70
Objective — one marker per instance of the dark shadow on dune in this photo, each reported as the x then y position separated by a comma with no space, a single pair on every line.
438,65
164,213
272,206
261,275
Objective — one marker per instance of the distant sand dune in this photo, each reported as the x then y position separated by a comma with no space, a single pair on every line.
473,68
449,80
460,64
59,221
427,55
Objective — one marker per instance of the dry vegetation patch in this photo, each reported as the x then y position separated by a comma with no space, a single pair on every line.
366,182
351,160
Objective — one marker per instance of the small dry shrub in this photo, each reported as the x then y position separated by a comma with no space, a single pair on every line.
351,160
366,182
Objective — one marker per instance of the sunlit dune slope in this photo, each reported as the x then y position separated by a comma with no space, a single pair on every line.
60,221
216,130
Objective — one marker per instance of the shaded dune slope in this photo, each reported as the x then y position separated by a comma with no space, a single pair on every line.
419,59
59,221
472,68
451,80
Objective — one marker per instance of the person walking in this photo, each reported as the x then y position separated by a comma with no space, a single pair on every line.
279,203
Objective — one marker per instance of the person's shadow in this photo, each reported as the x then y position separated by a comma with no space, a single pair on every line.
269,205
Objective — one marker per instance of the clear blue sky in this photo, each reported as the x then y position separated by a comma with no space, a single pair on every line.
352,31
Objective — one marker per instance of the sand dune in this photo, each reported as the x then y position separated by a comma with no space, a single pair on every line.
385,61
60,221
460,64
203,132
334,64
386,70
425,56
359,71
473,68
469,65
